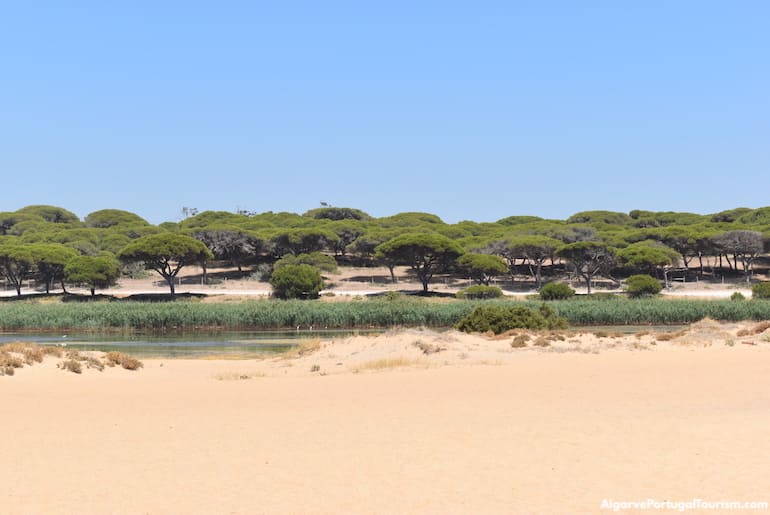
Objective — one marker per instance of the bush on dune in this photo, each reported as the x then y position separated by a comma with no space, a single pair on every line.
499,319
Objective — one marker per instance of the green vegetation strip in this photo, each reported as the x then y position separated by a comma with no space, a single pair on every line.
658,311
17,316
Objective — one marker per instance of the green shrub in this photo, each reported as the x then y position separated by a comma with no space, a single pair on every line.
642,285
316,259
761,290
500,319
480,292
297,282
556,291
737,296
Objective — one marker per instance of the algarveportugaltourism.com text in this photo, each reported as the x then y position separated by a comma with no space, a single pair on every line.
681,506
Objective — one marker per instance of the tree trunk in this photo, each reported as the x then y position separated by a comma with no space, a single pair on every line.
424,279
700,260
424,275
747,268
391,269
539,275
170,281
531,271
63,287
93,291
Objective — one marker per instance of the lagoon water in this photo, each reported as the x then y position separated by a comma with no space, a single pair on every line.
226,344
223,344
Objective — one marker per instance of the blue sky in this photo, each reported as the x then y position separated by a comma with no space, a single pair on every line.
469,110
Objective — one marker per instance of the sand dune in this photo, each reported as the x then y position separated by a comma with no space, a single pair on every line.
477,427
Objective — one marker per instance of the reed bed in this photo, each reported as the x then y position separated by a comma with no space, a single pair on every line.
182,315
658,311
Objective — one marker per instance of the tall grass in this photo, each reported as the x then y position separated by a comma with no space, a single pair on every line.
254,314
658,311
16,316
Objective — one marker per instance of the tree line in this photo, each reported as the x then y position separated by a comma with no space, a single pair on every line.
54,247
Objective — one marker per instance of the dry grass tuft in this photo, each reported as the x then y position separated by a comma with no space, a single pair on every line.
17,354
667,337
33,355
9,362
511,333
760,327
14,347
576,348
71,365
50,350
520,340
608,334
643,333
541,341
385,363
305,347
124,360
428,348
237,376
92,362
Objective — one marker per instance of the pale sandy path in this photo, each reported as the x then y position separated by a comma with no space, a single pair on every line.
543,433
718,293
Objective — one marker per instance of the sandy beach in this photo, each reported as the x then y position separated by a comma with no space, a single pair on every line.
376,425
